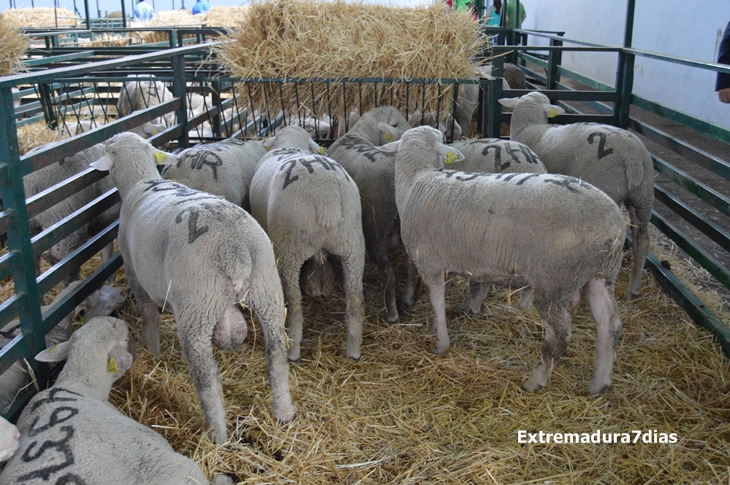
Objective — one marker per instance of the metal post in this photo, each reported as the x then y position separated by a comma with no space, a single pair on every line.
46,99
494,118
13,197
625,73
554,61
124,15
178,90
216,87
88,17
98,10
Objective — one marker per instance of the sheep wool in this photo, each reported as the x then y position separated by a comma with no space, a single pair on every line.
224,168
71,434
199,255
373,172
556,233
610,158
307,202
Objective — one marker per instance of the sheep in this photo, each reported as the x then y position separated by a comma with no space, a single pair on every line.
372,170
493,155
70,433
17,379
57,172
199,255
556,233
224,168
9,439
306,203
138,95
612,159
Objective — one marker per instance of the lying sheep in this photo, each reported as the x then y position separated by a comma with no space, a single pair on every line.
71,434
306,203
612,159
9,439
372,170
224,168
16,380
57,172
556,233
199,255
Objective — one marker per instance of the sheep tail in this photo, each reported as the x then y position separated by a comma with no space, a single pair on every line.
634,167
329,209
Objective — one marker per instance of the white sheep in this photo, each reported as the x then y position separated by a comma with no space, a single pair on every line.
77,127
612,159
138,95
224,168
198,255
17,379
556,233
70,433
307,202
372,170
446,125
58,172
9,439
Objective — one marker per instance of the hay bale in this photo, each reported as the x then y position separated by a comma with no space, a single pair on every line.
310,39
33,135
225,16
41,17
13,45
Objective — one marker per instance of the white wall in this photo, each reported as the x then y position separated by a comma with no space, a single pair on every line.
679,28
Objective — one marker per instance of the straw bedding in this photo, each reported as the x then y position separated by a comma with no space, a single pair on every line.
401,415
13,45
309,39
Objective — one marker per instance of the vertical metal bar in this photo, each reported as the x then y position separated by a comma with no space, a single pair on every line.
171,38
178,90
625,72
13,197
629,30
555,57
216,87
47,106
88,16
124,14
494,92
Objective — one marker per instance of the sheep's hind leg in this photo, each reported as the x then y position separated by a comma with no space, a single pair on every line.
437,291
409,294
289,271
198,351
353,267
608,327
557,320
148,309
639,249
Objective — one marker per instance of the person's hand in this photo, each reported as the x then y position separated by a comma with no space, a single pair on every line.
724,95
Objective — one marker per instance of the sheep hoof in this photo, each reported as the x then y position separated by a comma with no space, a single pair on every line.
630,295
223,480
532,387
392,319
439,351
294,355
598,387
284,413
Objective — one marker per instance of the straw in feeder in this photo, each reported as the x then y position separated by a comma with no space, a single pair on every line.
13,45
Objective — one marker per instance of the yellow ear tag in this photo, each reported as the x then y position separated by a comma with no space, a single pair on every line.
154,132
450,158
322,150
52,349
553,113
160,157
112,367
388,137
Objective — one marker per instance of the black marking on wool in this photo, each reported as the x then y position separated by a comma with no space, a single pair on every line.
497,157
56,418
567,182
179,190
527,154
308,162
194,232
200,158
70,478
602,152
61,446
525,179
365,149
52,397
462,176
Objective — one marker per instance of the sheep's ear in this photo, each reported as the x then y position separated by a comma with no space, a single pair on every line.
315,148
57,353
103,164
508,102
449,154
391,132
119,360
553,110
269,142
165,158
389,147
152,129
